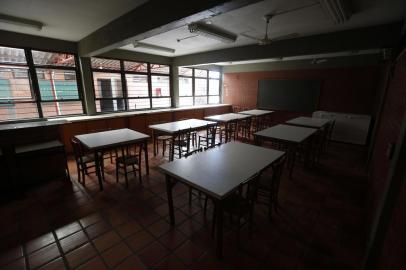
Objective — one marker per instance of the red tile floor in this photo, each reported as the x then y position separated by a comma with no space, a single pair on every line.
63,225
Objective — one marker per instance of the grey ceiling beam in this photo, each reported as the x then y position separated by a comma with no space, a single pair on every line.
153,18
381,36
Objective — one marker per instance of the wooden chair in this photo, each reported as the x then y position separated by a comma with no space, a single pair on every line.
195,151
180,143
244,128
229,131
160,137
209,138
268,188
129,157
85,161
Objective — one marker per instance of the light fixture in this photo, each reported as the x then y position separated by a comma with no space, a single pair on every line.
137,44
211,32
21,22
338,10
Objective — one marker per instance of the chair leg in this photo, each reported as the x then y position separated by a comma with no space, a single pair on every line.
77,166
117,168
139,171
126,175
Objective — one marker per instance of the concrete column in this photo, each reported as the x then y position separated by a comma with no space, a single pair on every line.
175,86
87,83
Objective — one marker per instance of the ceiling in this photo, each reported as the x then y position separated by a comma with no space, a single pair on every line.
249,20
69,20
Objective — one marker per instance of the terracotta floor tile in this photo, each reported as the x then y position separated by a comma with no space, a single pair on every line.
153,254
80,255
43,255
11,255
97,229
139,240
106,240
116,254
210,261
15,265
57,264
189,252
159,228
172,239
90,219
128,228
39,242
67,230
73,241
94,264
179,217
189,227
171,263
132,263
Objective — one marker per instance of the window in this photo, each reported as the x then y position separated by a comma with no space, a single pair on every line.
128,85
198,87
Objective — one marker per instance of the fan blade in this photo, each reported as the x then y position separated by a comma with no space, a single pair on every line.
251,37
288,36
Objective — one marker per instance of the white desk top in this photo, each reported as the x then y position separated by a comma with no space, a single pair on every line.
287,133
256,112
220,170
173,127
309,122
227,117
105,139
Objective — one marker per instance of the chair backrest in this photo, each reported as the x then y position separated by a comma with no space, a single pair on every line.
211,131
77,149
277,170
195,151
248,189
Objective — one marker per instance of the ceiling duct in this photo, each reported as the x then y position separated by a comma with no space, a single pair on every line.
212,32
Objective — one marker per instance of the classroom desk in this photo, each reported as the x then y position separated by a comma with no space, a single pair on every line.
310,122
226,118
259,116
289,137
218,172
106,140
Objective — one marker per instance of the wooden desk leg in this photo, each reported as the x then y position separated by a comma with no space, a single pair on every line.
219,227
146,156
170,199
154,141
98,173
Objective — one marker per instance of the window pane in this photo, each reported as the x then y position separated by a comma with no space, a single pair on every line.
107,85
214,87
214,74
185,71
214,99
200,73
100,63
51,109
135,66
15,84
185,86
137,85
12,55
200,87
109,105
54,59
161,102
16,111
160,86
156,68
136,104
54,85
200,100
185,101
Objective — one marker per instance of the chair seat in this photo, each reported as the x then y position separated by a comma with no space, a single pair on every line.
127,160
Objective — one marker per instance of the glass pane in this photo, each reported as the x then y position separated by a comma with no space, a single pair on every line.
200,73
214,74
185,71
214,99
101,63
214,87
185,86
54,59
56,85
12,55
136,104
110,105
15,84
51,109
18,111
137,85
160,86
135,66
200,100
161,102
107,85
200,87
162,69
185,101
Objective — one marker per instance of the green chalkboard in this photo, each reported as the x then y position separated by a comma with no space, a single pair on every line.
288,95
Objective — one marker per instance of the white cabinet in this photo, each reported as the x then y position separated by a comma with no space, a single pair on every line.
349,128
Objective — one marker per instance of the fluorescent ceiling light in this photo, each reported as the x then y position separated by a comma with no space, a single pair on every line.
338,10
21,22
152,47
212,32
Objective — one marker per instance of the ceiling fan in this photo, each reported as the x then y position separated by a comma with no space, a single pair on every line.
266,40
